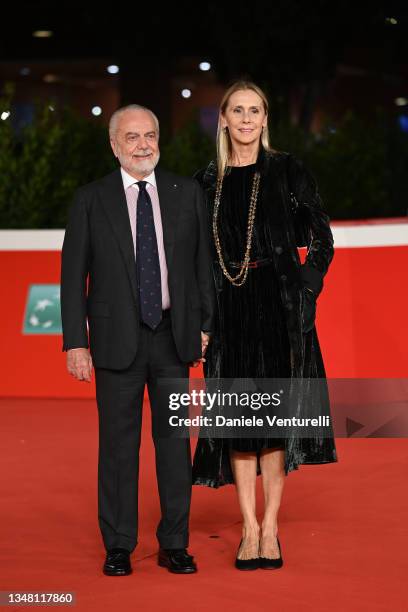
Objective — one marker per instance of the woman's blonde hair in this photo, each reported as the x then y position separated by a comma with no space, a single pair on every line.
224,145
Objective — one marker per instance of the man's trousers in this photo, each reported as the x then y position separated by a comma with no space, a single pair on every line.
120,400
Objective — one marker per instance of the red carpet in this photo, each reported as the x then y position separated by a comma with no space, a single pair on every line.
343,527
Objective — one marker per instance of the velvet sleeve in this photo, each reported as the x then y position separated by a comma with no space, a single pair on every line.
75,258
312,225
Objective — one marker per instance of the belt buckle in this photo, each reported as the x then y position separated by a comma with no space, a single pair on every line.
253,264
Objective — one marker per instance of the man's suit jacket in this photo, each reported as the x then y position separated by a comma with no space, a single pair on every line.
98,274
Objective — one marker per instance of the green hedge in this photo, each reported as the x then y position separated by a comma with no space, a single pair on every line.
360,165
41,166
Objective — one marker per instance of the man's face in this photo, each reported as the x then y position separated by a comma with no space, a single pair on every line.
136,143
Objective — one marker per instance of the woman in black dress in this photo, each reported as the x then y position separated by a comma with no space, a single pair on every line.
262,205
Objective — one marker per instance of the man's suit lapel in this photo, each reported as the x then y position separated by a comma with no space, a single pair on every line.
169,191
114,203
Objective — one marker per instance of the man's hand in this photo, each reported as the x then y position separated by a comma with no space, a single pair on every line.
205,338
79,364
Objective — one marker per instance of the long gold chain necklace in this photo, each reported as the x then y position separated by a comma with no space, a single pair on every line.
243,272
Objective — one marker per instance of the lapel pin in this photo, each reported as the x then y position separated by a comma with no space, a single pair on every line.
174,185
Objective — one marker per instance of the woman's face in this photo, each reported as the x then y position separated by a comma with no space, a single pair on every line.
244,117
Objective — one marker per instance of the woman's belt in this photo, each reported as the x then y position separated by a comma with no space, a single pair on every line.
252,264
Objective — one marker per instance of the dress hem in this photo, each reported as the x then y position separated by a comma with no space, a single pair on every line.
216,484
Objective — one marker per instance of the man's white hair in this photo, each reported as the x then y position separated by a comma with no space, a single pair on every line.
113,122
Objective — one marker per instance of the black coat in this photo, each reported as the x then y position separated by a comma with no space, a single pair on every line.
98,248
298,219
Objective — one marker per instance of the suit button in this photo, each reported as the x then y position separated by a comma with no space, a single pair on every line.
289,305
278,250
284,277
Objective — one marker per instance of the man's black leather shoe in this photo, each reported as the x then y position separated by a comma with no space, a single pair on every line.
117,562
177,561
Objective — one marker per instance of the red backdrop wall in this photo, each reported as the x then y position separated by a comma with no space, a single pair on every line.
361,321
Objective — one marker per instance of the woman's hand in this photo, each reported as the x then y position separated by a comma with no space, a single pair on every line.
309,310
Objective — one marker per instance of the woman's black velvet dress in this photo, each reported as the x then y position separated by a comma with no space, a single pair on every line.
252,323
255,334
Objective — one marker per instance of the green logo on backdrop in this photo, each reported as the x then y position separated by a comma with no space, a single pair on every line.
42,314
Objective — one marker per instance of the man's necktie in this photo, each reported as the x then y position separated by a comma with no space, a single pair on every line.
147,260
